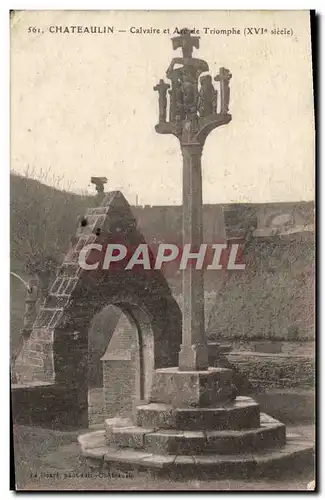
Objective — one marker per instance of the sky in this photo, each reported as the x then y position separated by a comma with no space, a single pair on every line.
84,105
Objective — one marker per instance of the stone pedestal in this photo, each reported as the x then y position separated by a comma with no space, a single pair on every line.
193,427
192,388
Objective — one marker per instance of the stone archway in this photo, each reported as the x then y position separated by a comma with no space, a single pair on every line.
123,362
54,360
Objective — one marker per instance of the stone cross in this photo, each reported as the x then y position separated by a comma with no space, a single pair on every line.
186,42
224,79
193,115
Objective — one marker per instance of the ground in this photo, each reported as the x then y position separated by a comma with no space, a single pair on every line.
50,460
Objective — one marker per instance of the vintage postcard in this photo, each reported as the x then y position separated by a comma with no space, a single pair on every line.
162,250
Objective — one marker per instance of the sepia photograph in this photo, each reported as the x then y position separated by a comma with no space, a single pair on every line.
162,250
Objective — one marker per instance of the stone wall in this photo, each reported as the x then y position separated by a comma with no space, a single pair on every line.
101,329
273,298
48,405
277,371
120,371
119,386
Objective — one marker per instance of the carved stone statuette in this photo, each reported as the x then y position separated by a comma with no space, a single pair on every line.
224,79
194,109
176,108
206,102
99,183
162,88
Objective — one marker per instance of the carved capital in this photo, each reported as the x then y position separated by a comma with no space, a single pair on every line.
192,148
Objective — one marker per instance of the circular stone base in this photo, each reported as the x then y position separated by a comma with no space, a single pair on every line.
296,454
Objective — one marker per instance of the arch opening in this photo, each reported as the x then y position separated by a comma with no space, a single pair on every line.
120,361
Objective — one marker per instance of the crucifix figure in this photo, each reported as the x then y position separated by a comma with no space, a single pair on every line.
186,42
162,88
190,64
224,79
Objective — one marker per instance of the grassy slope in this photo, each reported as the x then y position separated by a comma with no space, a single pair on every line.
43,219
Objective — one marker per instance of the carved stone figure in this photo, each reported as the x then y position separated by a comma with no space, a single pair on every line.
176,108
190,98
206,96
186,42
224,79
215,102
162,88
184,78
99,184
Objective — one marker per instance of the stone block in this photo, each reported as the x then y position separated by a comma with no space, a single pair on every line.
166,442
111,423
156,416
130,437
198,388
125,456
272,436
158,461
225,466
297,456
91,440
242,417
243,441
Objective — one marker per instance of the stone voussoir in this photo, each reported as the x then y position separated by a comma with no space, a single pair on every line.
241,414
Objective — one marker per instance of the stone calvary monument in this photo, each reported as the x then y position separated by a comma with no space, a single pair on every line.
189,418
193,114
194,422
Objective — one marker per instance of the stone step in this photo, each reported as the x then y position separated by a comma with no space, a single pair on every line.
176,442
296,454
243,413
232,442
111,423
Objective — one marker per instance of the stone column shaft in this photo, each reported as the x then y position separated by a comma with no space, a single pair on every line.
194,352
